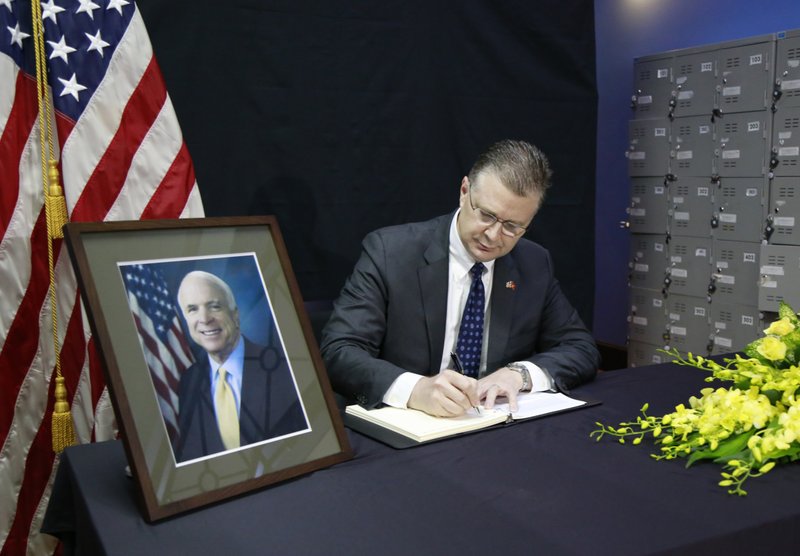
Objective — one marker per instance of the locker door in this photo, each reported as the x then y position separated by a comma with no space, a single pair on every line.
784,211
692,152
735,276
648,211
652,85
648,152
740,209
695,84
742,144
745,77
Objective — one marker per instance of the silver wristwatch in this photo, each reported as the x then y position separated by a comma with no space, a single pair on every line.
526,375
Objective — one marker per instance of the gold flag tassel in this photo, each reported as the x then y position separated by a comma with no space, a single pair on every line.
55,207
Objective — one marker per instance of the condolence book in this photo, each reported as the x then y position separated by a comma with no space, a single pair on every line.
402,428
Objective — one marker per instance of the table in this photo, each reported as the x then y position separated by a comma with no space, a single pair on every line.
537,487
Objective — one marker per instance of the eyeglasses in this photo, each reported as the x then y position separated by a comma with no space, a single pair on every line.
486,218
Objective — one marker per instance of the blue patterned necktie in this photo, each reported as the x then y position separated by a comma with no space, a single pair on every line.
470,334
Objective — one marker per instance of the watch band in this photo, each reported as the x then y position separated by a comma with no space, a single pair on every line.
526,375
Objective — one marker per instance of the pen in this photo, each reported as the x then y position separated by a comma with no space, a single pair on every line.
460,369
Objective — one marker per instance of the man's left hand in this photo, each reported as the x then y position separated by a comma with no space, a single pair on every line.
502,382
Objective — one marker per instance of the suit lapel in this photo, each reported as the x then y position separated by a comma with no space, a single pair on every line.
254,395
504,285
433,279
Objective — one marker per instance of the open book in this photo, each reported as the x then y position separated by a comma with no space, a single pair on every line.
418,427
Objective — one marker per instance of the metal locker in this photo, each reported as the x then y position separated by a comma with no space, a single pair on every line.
735,272
692,148
695,75
740,209
784,211
648,261
647,213
647,317
690,207
742,144
641,354
733,327
687,318
780,276
785,153
648,151
787,69
745,76
652,84
689,271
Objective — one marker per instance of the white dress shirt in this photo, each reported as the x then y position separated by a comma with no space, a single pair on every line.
234,365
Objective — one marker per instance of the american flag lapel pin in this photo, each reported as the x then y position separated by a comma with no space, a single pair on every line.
511,285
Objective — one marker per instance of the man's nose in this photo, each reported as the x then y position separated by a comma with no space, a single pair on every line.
494,230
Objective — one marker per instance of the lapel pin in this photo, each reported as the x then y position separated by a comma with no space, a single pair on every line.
511,285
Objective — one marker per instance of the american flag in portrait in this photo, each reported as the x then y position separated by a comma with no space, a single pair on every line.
121,156
164,344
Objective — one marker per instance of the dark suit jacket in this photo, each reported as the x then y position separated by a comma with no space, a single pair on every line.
390,315
269,404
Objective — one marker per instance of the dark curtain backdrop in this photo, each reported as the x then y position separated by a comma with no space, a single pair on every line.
342,116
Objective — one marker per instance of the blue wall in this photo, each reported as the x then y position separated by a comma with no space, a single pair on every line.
625,29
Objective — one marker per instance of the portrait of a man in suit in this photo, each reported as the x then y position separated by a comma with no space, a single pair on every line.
237,392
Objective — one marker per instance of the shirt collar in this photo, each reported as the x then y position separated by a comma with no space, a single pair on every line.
234,364
458,253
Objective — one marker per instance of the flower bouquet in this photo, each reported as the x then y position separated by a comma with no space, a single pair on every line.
747,427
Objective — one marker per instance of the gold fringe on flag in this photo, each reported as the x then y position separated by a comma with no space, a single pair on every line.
55,207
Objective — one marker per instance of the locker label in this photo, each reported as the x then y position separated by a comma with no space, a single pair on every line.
751,192
731,153
703,129
638,212
727,218
645,99
641,321
677,200
685,95
702,192
658,247
726,279
681,216
699,311
756,59
722,264
656,359
724,342
661,132
662,73
676,259
636,155
747,320
749,258
700,252
658,190
789,151
720,325
641,267
769,284
684,155
706,66
785,135
674,316
680,273
681,80
772,270
732,91
678,330
784,221
636,200
657,302
790,85
753,126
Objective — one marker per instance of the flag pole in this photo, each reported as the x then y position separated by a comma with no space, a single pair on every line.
63,430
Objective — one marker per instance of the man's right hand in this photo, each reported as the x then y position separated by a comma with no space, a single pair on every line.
447,394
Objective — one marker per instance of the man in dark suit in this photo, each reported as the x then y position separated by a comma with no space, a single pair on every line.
399,315
240,393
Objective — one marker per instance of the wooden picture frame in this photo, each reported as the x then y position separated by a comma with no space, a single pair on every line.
160,363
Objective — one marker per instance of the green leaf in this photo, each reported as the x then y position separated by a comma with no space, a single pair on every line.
725,449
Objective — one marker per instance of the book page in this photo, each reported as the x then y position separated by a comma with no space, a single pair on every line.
421,427
532,404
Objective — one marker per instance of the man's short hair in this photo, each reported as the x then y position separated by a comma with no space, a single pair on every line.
216,280
521,167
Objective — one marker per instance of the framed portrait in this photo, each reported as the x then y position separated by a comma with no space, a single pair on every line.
214,373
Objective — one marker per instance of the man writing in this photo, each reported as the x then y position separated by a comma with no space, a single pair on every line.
464,284
241,392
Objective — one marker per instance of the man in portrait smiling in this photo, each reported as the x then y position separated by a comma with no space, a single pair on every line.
445,314
240,392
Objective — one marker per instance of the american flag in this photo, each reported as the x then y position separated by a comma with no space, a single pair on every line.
164,344
122,157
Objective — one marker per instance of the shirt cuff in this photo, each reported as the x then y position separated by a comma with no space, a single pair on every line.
540,379
399,392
